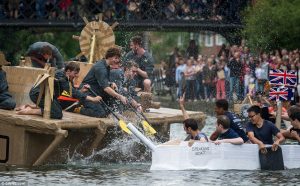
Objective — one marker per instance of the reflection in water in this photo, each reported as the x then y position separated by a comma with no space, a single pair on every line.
139,174
92,171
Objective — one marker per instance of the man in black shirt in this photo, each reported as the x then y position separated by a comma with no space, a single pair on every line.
235,122
99,80
235,67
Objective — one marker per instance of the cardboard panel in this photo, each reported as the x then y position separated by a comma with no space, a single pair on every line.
16,144
84,69
20,81
4,148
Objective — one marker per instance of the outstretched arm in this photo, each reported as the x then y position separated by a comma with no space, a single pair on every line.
235,141
181,105
260,144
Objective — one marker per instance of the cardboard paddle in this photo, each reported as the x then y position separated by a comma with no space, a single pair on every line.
122,123
272,160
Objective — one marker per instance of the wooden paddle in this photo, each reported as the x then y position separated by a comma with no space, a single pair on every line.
122,123
145,123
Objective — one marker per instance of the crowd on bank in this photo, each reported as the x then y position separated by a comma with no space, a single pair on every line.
123,9
232,73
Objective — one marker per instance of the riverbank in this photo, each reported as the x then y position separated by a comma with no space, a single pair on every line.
203,106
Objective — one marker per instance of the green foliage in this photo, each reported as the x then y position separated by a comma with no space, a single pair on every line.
273,24
163,43
16,43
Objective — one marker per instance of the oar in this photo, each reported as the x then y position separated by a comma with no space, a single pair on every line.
122,123
145,123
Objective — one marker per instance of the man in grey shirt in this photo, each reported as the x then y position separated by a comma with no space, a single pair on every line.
145,62
44,52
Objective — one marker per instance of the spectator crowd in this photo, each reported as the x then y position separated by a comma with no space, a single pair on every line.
123,9
231,74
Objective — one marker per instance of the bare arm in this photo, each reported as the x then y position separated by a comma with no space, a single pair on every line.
214,136
142,73
181,105
260,144
114,94
235,141
279,139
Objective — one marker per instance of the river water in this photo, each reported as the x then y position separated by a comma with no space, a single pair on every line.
89,171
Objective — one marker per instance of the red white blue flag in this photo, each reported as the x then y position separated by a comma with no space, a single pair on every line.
281,94
283,78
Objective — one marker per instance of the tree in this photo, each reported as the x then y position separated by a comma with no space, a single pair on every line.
273,24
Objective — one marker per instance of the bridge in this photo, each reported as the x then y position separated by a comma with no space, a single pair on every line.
134,15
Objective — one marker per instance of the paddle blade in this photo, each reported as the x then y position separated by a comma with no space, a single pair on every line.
147,128
273,160
123,126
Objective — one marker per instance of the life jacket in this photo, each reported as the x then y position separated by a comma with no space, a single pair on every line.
65,96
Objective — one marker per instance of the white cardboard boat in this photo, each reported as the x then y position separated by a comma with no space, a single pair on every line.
216,157
208,156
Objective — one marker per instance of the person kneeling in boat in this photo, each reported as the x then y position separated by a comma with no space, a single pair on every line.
62,84
261,131
226,134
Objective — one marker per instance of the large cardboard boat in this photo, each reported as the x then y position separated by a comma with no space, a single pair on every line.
33,140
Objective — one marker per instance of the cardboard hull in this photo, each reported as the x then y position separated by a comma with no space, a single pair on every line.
208,156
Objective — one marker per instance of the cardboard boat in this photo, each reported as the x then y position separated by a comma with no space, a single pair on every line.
208,156
27,140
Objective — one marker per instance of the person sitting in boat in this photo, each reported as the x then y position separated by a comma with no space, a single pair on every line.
293,132
191,126
63,87
221,108
6,100
261,131
226,134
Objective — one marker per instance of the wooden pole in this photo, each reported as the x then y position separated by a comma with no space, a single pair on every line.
278,114
91,59
100,133
60,136
47,105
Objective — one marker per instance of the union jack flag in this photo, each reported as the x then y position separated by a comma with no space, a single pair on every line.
283,77
281,94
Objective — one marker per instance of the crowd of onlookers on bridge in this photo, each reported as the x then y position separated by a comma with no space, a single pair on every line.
123,9
230,74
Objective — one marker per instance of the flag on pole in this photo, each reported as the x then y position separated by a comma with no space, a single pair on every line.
281,94
283,78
